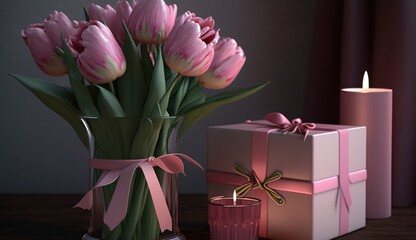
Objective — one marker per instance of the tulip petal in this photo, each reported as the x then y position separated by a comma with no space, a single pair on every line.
123,12
228,61
105,15
43,52
148,29
189,49
101,60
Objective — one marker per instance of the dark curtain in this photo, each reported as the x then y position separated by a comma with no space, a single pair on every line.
351,36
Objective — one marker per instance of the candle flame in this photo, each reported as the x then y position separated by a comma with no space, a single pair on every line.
234,197
365,81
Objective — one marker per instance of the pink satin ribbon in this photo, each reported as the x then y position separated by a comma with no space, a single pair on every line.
277,121
289,185
259,156
259,152
123,170
253,182
344,185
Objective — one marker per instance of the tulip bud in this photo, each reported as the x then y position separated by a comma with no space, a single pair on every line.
102,14
57,24
189,49
43,52
105,15
123,12
151,21
228,60
101,59
43,39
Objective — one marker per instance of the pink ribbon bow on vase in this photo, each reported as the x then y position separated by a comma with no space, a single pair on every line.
123,170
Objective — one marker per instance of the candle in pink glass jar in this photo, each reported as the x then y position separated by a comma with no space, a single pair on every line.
236,219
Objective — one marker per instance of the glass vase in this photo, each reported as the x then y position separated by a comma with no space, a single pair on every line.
112,138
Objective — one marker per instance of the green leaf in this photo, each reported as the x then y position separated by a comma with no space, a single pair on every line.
132,86
84,99
147,62
169,74
108,103
214,102
164,102
157,89
177,96
194,97
113,136
59,99
140,146
146,138
87,17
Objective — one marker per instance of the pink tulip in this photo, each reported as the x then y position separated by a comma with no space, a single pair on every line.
56,24
113,18
43,51
151,21
189,49
43,39
101,59
105,15
123,12
228,60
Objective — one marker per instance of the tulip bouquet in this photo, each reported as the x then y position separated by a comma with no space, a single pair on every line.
128,67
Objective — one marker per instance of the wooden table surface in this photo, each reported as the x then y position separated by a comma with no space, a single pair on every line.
52,217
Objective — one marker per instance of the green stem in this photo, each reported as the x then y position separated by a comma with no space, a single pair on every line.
150,223
82,95
164,101
111,88
115,234
135,212
176,100
172,82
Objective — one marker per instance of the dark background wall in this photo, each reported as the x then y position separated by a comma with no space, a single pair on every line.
40,153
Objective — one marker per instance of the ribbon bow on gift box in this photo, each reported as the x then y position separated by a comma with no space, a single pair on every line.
279,121
254,183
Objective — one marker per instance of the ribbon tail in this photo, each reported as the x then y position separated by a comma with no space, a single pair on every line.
274,177
306,135
242,190
170,164
85,202
346,198
275,196
106,178
161,208
189,159
277,118
117,209
242,171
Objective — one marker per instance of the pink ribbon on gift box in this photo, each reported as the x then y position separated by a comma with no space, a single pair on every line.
277,121
123,170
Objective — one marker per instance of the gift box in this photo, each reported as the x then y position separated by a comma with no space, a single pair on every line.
312,185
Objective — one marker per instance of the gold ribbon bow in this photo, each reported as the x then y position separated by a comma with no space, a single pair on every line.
254,183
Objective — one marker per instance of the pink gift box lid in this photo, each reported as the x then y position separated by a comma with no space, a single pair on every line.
312,159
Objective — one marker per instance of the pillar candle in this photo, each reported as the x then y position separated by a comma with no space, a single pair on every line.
372,107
